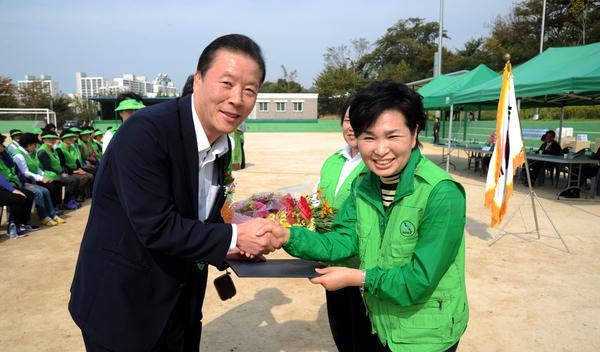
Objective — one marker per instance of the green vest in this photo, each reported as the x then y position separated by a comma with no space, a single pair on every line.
438,321
32,163
85,149
54,159
330,175
10,174
97,146
71,155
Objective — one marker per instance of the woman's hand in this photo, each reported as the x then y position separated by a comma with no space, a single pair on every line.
336,277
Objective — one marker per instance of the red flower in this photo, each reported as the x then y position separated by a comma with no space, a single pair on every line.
305,212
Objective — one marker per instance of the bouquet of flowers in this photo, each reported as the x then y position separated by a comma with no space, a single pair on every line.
285,210
281,208
226,210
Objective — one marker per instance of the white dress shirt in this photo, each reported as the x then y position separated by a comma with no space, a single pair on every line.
36,175
207,154
349,166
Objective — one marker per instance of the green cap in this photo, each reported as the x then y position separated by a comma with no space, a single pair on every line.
15,132
74,129
99,133
67,135
130,104
50,135
84,132
36,131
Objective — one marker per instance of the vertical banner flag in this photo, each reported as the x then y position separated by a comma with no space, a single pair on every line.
508,153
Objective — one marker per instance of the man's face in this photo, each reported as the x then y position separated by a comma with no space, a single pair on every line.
224,98
549,137
385,147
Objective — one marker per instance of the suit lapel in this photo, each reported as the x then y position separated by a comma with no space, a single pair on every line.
190,146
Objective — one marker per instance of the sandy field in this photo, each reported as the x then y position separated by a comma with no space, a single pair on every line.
525,294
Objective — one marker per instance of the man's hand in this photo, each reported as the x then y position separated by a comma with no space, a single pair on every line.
235,254
280,233
19,193
250,244
336,277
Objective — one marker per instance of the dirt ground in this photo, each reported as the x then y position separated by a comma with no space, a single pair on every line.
525,294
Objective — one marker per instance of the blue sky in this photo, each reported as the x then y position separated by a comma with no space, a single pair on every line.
108,38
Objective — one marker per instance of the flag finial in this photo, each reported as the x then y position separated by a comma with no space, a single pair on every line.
506,57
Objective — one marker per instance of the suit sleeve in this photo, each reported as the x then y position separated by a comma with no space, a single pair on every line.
141,170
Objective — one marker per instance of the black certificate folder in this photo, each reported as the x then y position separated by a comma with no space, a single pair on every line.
284,268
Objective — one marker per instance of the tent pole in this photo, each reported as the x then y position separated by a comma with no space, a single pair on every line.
562,117
449,138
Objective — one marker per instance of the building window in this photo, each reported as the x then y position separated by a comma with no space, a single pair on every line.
263,106
298,106
280,107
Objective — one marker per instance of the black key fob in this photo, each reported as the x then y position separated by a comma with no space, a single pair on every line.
225,286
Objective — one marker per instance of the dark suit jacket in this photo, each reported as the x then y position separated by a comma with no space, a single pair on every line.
143,238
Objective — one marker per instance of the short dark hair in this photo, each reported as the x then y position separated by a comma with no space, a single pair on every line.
128,95
188,87
50,126
2,138
345,107
28,139
237,43
369,103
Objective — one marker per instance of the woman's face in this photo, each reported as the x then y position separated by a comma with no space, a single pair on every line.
386,146
347,130
69,140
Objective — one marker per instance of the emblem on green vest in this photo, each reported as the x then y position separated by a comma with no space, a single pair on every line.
407,229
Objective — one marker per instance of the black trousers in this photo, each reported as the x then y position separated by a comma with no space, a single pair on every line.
382,348
20,207
71,184
183,330
348,320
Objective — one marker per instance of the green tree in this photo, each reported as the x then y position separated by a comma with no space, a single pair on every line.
409,43
34,96
286,84
8,93
335,84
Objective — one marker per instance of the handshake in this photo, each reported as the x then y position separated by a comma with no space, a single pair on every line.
260,236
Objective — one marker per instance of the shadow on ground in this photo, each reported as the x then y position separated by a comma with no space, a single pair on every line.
253,327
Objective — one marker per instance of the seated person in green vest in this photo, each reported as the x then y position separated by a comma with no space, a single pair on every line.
46,194
409,239
127,104
50,162
86,144
97,138
70,160
11,187
15,135
348,321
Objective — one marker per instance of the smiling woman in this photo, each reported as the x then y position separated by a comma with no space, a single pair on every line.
405,219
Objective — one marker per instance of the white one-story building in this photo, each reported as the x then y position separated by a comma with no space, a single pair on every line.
286,106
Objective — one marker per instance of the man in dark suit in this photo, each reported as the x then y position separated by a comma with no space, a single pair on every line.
155,218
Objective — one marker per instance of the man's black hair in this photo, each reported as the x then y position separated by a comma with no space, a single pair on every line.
237,43
345,107
28,139
188,87
128,95
369,103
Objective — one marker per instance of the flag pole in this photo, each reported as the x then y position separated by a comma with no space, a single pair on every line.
530,186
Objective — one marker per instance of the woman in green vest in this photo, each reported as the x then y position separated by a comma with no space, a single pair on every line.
348,321
405,219
50,163
97,136
70,159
